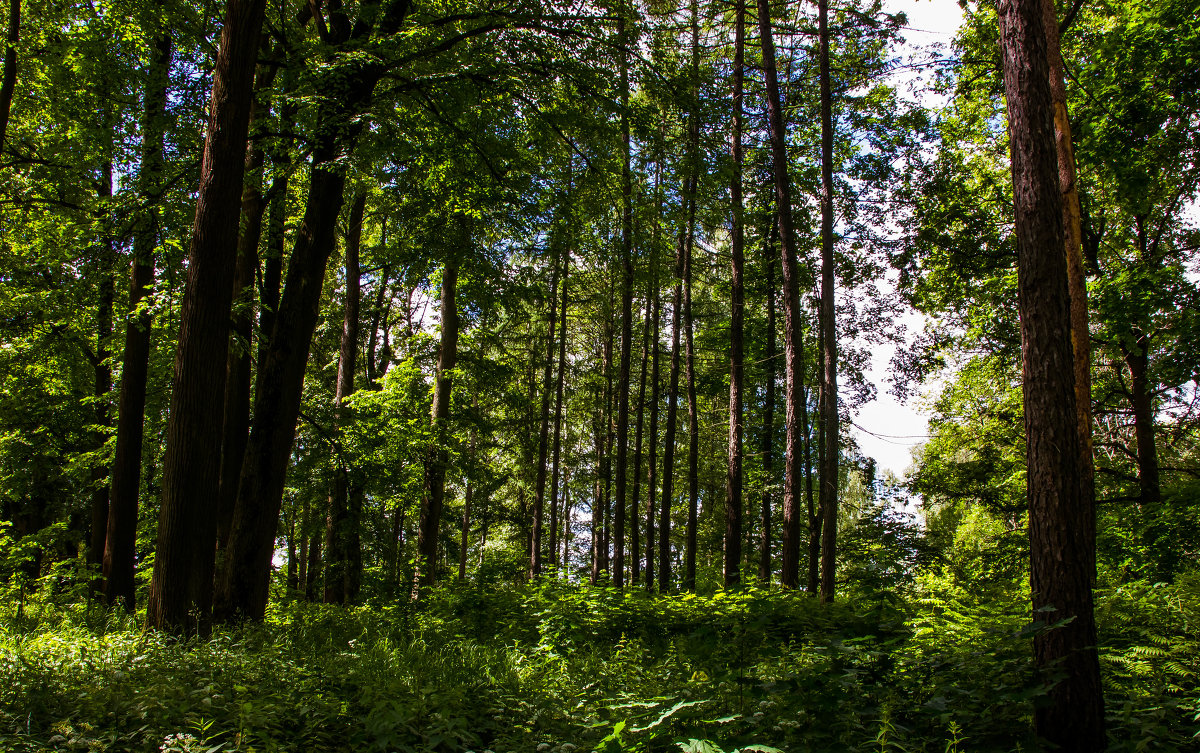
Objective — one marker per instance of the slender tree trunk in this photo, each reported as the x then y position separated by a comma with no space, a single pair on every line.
467,498
181,587
733,480
293,570
314,564
1062,560
791,304
337,515
597,495
829,469
626,317
635,551
664,519
103,375
9,84
815,519
656,316
1142,401
435,469
768,437
535,544
121,541
302,575
558,406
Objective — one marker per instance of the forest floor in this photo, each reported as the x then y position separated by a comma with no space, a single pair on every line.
556,668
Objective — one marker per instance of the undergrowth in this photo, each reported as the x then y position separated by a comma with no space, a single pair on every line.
556,668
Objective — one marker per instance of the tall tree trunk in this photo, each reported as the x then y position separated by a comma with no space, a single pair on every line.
1081,344
829,469
558,406
793,316
768,437
337,515
816,522
656,315
668,492
246,571
689,566
121,541
181,587
635,523
606,504
9,84
1062,559
597,522
103,374
626,316
733,480
435,469
236,423
535,543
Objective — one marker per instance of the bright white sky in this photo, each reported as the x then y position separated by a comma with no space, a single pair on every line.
886,429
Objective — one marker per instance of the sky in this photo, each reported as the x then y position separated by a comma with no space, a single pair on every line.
885,428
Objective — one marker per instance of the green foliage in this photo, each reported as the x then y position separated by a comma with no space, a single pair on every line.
558,667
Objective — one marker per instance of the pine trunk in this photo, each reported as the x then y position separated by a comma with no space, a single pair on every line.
793,316
733,479
829,468
1062,557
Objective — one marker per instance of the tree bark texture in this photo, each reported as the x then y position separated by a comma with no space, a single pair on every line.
733,479
829,420
793,316
181,587
1062,561
1081,343
768,436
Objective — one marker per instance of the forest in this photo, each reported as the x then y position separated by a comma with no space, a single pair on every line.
486,375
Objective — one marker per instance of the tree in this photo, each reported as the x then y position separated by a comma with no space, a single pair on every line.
183,567
1061,558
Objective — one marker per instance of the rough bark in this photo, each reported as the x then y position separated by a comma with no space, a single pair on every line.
791,304
181,587
733,479
1081,344
121,539
1062,561
338,520
668,481
829,468
622,480
689,550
